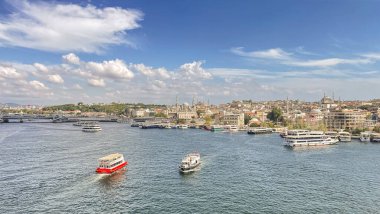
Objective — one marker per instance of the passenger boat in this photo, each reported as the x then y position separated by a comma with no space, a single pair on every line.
260,130
332,134
217,128
190,162
375,138
365,136
92,127
344,136
135,124
310,138
111,163
183,126
80,123
233,128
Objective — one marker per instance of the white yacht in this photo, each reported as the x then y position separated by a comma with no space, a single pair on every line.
365,136
183,126
93,127
190,162
309,138
344,136
332,134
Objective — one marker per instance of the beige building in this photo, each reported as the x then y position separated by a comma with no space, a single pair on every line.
187,115
346,119
233,119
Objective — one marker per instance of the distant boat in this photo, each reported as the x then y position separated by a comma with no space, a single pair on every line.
260,130
111,163
344,136
365,137
80,123
375,138
217,128
92,127
190,162
183,126
231,128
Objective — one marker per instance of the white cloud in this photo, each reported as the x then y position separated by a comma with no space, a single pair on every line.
41,67
194,70
9,72
77,87
58,27
71,59
97,82
114,69
55,79
151,72
326,62
37,85
274,53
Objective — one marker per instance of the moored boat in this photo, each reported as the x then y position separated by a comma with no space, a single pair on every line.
217,128
111,163
375,138
297,138
183,126
365,136
260,130
190,162
344,136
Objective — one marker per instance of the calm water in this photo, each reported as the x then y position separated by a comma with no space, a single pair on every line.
49,168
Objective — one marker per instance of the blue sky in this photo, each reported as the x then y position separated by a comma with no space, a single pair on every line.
150,51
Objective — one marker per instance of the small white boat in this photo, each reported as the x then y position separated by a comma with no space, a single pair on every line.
375,138
80,123
260,130
190,162
183,126
344,136
91,128
231,128
365,136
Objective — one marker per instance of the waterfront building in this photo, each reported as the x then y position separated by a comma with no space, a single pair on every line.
187,115
233,119
346,119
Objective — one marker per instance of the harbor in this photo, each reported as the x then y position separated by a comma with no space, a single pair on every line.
248,172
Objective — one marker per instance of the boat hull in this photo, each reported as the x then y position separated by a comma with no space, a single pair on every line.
111,170
189,169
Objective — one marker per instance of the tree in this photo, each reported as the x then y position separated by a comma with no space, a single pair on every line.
247,118
275,115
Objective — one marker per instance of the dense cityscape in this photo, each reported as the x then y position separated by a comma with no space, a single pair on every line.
326,114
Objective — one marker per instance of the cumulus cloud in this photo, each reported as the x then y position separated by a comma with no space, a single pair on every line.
151,72
55,78
37,85
114,69
71,59
194,70
9,72
97,82
41,67
58,27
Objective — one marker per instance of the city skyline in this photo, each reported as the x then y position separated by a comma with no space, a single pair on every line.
139,51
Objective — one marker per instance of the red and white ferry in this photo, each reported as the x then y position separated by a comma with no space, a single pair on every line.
111,163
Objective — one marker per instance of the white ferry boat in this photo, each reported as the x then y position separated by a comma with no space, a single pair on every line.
190,162
183,126
93,127
233,128
310,138
111,163
80,123
344,136
260,130
365,136
332,134
375,138
217,128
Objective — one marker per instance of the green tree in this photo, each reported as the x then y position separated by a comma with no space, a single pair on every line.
275,115
247,118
